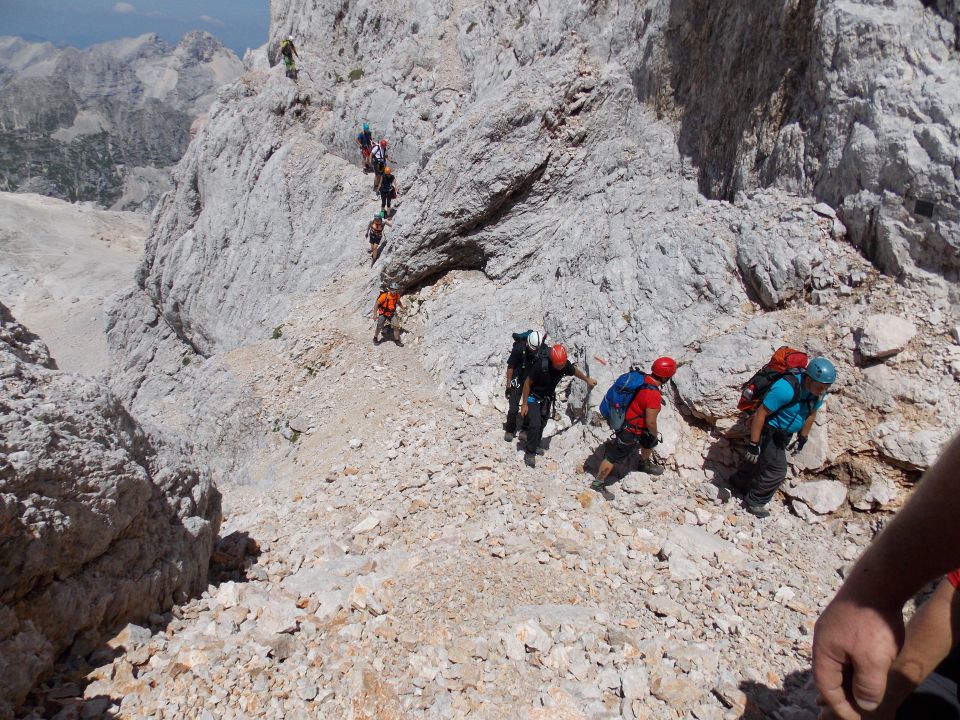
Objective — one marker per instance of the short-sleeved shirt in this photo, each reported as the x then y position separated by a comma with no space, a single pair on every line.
386,185
645,399
794,414
378,153
544,377
365,139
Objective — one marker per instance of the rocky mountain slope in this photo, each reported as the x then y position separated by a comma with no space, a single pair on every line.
100,521
638,186
59,263
104,123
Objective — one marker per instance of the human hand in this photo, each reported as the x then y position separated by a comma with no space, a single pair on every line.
752,453
797,445
524,408
591,382
506,392
854,646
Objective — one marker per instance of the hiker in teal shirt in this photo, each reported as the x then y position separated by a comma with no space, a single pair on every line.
789,408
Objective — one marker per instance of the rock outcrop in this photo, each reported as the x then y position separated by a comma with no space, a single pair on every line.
105,123
101,521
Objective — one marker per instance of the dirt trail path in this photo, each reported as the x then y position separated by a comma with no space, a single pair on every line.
390,556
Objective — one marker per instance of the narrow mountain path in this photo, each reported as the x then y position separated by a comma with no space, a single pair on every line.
390,557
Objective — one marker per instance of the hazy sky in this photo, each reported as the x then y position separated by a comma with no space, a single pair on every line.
238,23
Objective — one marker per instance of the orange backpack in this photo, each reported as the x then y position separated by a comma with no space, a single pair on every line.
786,362
387,303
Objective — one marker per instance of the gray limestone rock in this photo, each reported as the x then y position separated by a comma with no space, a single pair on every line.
101,521
884,335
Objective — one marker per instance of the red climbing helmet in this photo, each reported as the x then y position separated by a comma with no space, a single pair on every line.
664,367
558,356
383,143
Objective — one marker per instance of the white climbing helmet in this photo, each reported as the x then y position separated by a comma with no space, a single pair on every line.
290,38
534,340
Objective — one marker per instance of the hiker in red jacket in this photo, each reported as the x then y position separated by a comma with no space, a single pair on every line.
640,425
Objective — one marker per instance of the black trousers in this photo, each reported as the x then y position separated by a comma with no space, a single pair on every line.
516,391
769,472
538,413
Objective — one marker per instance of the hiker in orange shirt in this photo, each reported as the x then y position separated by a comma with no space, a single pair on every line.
385,313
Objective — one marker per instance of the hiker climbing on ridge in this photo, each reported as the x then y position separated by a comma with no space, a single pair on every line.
787,393
364,141
539,391
388,189
385,313
631,407
526,345
378,158
289,51
374,234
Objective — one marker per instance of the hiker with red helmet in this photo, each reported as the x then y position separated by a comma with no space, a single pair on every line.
639,426
539,389
786,394
378,158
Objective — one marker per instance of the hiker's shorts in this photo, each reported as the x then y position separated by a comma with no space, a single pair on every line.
620,446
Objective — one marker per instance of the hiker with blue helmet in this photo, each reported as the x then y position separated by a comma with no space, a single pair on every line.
781,422
364,140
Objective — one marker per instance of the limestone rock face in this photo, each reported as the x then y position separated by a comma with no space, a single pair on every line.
102,123
884,335
100,521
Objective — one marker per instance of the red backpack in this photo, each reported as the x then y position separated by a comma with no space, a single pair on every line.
786,362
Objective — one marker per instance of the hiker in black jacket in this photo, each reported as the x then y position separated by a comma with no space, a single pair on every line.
525,349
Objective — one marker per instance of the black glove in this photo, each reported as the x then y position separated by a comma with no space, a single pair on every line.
752,453
798,443
506,393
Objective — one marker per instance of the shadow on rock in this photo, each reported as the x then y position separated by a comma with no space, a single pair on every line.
232,555
795,701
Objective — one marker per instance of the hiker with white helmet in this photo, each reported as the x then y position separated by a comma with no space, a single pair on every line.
526,345
378,159
782,421
289,51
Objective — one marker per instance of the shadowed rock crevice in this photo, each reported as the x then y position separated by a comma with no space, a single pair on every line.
737,70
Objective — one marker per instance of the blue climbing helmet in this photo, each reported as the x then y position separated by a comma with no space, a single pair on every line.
366,126
822,370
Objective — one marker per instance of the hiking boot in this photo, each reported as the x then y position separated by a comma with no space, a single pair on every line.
650,467
541,451
530,459
376,341
399,344
758,511
508,436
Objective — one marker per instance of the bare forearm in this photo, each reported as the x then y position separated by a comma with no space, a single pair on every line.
756,426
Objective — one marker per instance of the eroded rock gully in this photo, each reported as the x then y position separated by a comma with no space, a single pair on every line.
557,167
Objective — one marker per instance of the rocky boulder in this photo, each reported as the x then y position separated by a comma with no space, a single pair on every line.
884,335
101,521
